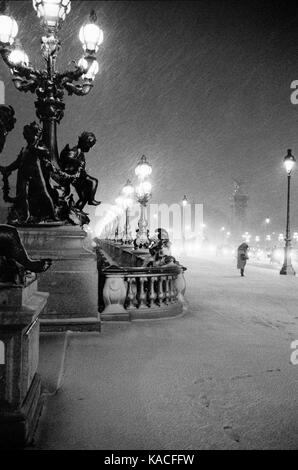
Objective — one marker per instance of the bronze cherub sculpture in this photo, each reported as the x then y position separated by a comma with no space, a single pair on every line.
73,162
34,195
43,190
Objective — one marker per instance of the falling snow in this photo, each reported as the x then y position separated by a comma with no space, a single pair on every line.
202,88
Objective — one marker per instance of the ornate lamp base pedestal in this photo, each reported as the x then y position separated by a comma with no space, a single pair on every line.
287,269
20,385
72,280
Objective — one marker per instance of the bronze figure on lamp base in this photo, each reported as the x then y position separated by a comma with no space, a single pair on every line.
72,161
43,189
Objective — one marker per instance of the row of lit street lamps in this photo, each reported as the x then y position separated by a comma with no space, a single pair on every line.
124,202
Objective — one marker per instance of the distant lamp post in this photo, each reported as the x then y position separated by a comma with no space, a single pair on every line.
223,231
143,194
266,228
184,201
203,227
119,211
127,191
247,237
287,268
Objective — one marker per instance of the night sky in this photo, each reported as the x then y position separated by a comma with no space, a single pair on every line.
201,88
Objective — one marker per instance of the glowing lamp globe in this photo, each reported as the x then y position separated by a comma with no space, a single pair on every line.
8,29
90,67
91,36
119,201
143,168
19,57
139,192
147,187
128,202
143,189
52,12
289,161
128,189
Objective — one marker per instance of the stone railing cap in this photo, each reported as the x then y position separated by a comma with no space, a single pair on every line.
172,269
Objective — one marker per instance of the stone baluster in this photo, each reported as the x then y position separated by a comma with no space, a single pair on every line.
142,293
131,294
152,293
173,289
167,290
161,294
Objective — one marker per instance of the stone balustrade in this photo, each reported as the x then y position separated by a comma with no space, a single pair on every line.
128,292
123,255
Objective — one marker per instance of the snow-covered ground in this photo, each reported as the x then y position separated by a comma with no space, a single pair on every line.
219,377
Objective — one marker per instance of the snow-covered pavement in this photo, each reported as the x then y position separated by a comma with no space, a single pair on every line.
219,377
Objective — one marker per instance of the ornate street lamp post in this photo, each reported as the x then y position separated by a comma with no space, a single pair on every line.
287,268
45,180
49,84
127,191
267,222
117,229
143,193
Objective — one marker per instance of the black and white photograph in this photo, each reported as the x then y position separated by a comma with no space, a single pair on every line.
148,228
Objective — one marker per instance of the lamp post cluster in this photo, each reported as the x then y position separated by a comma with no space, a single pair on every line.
49,84
124,203
128,192
143,193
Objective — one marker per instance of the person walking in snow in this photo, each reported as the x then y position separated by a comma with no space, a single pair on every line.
242,257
